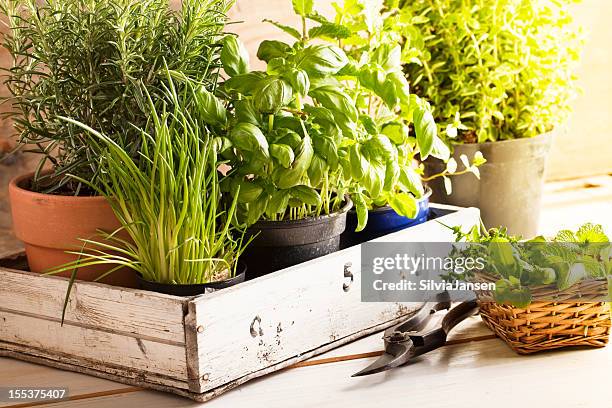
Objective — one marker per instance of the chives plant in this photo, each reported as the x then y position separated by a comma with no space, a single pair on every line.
87,60
168,201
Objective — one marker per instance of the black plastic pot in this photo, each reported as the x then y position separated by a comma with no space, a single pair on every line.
280,244
509,192
382,221
193,290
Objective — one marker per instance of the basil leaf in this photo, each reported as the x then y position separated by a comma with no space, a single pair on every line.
392,174
244,84
299,81
316,170
321,59
247,191
269,49
307,195
335,100
287,178
425,129
410,181
388,56
248,137
404,204
272,94
246,112
211,108
397,132
402,86
361,208
359,164
283,153
256,209
234,56
326,148
278,203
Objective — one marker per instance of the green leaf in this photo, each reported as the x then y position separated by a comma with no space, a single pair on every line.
397,132
269,49
211,108
316,170
330,31
321,59
245,84
359,164
287,178
256,209
382,147
249,137
327,149
272,94
247,191
373,180
439,149
401,85
335,100
388,56
245,112
410,181
303,7
283,153
278,203
234,56
361,207
299,81
392,175
369,124
404,204
426,130
570,275
307,195
289,30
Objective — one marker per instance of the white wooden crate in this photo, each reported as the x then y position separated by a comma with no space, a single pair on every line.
203,346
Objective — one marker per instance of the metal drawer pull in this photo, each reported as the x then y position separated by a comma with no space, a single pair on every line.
348,274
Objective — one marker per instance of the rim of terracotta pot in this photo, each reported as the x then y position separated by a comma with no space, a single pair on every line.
15,185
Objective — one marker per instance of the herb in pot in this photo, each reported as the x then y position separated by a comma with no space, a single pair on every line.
89,61
169,203
493,70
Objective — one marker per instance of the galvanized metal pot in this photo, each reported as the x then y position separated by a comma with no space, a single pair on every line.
509,191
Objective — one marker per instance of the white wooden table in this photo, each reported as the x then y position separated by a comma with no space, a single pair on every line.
474,370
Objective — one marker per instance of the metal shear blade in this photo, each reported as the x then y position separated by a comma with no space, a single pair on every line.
407,340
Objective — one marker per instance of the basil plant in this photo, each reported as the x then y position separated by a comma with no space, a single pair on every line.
283,148
332,114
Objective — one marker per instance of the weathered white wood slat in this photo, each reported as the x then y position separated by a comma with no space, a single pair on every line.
269,320
468,375
146,315
93,347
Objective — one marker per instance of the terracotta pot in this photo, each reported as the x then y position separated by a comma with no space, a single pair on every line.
49,225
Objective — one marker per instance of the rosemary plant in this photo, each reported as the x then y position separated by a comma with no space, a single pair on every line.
169,202
88,60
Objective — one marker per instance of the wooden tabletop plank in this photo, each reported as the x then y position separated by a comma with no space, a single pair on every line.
475,374
18,373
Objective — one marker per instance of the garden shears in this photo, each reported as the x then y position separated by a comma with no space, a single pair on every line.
408,340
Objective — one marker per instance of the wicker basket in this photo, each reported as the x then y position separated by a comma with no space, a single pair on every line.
546,324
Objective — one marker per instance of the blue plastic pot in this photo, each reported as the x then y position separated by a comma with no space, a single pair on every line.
382,221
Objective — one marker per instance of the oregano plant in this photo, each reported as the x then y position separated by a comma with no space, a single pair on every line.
492,70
